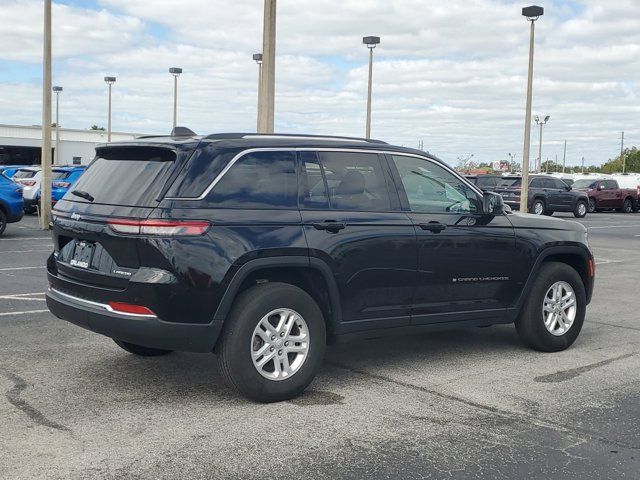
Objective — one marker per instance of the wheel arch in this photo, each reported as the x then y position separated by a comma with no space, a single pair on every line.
310,274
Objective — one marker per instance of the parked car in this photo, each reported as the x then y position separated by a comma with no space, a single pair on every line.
263,248
29,178
607,195
61,180
486,183
546,195
11,203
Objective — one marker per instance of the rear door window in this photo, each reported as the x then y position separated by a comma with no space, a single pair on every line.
258,180
355,181
126,176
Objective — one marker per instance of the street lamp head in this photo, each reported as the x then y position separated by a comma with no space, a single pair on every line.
371,41
546,119
175,71
57,89
532,12
536,119
110,80
257,57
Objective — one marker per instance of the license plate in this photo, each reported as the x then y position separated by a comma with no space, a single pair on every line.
82,254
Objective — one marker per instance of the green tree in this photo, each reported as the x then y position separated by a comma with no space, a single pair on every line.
96,127
631,159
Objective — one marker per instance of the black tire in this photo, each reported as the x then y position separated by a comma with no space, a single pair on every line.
141,350
234,351
530,322
549,213
581,209
3,221
538,206
591,207
627,206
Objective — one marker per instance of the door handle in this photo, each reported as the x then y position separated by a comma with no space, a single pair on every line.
330,226
435,227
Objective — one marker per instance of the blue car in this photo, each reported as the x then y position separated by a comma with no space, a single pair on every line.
11,203
62,178
9,170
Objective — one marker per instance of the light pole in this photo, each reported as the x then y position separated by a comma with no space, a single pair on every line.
45,189
624,160
175,71
110,81
57,91
532,13
371,43
541,123
564,156
268,86
257,57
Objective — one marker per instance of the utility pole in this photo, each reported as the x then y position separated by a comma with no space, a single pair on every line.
624,163
267,87
582,164
257,57
45,184
532,13
564,156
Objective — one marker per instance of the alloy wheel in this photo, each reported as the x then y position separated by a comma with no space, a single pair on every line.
280,344
559,308
538,208
582,209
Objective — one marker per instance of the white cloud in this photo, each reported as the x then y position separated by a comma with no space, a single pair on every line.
449,73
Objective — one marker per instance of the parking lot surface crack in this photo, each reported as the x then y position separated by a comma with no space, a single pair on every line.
15,399
565,375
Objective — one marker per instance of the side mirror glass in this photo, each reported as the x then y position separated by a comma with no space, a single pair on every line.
601,187
493,204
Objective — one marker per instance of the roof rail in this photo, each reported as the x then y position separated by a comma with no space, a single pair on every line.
292,136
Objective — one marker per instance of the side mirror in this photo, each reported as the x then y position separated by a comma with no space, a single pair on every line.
492,204
601,187
569,188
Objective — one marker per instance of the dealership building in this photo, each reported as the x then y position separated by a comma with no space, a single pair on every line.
21,145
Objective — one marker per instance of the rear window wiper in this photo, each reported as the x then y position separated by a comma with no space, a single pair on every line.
82,194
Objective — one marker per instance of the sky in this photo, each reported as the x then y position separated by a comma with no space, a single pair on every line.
450,74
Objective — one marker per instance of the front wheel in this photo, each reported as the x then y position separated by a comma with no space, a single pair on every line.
3,221
581,210
272,343
592,206
553,314
141,350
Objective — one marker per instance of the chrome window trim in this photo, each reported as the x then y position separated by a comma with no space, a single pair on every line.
104,306
233,161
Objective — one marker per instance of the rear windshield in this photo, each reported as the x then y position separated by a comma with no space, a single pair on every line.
25,174
59,174
585,183
509,182
125,176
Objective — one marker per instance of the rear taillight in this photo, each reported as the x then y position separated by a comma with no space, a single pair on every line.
159,227
60,184
130,309
27,183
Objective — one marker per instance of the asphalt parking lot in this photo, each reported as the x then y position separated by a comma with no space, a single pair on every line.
470,403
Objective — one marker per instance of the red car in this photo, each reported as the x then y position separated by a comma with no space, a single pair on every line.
605,194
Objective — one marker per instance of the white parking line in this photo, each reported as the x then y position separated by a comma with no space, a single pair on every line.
26,251
24,238
602,261
615,226
25,312
20,268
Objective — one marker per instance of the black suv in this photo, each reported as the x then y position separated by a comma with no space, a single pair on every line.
546,195
263,248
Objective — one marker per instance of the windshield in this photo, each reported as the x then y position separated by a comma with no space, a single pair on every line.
59,174
125,176
586,183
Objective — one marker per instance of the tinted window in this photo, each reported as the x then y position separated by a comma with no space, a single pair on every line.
258,180
510,182
610,185
537,183
314,189
25,174
431,188
585,183
59,174
355,181
126,176
559,184
486,182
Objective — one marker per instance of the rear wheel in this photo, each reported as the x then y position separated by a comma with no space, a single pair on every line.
538,207
553,314
3,221
627,206
272,343
581,209
141,350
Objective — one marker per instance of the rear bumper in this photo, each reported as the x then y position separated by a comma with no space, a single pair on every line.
31,202
140,330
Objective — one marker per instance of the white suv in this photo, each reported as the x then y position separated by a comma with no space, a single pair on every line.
29,178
